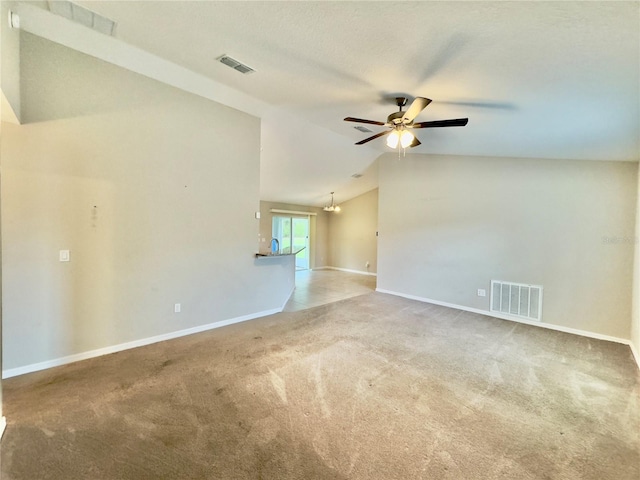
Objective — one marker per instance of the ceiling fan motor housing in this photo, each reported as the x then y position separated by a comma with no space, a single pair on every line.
395,118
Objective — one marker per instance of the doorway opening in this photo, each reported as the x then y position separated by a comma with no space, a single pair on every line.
293,233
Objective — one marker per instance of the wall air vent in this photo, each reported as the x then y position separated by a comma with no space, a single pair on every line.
363,129
83,16
235,64
517,299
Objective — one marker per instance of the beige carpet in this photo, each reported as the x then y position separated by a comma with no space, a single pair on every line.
372,387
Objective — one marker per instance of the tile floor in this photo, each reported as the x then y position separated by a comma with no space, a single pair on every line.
318,287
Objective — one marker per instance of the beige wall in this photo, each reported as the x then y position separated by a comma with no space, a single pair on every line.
352,234
449,225
319,230
635,321
146,187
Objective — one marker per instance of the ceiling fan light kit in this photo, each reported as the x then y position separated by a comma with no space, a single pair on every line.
333,207
404,137
401,123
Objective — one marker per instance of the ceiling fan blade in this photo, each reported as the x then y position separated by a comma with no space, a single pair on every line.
416,107
362,120
456,122
374,137
415,142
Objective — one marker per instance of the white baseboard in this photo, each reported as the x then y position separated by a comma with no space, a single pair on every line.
3,425
34,367
360,272
550,326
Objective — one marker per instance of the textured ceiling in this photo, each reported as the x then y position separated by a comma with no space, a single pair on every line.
536,79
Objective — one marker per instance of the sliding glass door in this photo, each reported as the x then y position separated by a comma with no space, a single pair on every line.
293,232
300,239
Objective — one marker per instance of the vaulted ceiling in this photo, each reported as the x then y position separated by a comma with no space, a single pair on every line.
536,79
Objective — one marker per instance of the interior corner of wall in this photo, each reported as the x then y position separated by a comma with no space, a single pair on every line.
379,158
7,112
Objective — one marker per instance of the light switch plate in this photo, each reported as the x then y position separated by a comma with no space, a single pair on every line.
482,292
64,255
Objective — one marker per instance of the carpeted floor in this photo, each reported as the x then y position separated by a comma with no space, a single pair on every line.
372,387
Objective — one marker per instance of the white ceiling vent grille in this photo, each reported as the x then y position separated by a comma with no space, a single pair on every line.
363,129
235,64
517,299
83,16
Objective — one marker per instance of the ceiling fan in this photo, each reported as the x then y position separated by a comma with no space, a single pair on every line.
401,123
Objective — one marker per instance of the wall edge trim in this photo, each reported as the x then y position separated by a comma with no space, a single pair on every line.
76,357
288,297
549,326
636,356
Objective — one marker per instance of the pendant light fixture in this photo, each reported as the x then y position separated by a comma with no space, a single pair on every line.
333,207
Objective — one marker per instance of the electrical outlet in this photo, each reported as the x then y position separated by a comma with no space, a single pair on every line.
482,292
177,308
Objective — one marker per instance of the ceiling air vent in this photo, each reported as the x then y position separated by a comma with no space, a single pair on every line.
83,16
363,129
235,64
356,175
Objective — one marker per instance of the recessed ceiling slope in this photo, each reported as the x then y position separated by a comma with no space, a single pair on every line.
538,79
544,79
